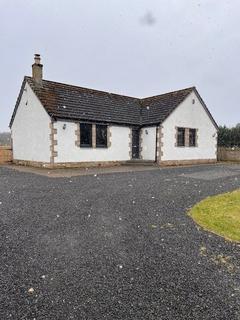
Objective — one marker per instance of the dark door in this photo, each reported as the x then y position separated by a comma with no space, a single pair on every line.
135,143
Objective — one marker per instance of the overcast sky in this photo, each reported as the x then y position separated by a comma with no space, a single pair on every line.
134,47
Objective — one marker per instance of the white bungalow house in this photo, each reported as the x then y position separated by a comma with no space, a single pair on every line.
58,125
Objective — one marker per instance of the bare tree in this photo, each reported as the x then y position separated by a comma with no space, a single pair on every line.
5,138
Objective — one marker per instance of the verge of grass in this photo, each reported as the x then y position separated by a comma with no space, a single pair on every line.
220,214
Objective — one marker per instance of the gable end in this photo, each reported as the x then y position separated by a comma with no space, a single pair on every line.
18,101
206,108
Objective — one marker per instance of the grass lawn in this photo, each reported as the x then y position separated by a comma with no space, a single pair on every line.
220,214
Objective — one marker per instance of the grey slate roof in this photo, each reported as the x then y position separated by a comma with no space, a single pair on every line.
157,108
63,101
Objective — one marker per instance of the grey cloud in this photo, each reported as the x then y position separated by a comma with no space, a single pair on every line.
103,45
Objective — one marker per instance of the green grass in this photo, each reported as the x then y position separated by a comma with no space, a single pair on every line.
220,214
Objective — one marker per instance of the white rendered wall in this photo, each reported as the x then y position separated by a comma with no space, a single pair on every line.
68,152
189,115
30,129
148,144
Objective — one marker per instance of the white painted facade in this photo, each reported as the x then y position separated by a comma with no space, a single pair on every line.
148,143
67,151
30,129
31,136
189,115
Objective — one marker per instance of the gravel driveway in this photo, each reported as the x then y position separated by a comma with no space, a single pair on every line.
115,246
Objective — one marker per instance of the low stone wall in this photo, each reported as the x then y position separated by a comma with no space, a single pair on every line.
229,154
5,154
65,165
186,162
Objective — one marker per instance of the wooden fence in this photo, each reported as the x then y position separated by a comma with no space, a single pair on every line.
5,154
229,154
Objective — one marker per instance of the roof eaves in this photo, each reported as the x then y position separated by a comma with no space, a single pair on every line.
120,123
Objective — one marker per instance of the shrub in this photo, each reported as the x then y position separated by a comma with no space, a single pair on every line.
229,137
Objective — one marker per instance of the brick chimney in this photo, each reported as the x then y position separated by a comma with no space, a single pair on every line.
37,70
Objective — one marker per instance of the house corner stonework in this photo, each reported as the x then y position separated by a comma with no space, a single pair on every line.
216,146
53,142
141,143
130,143
159,142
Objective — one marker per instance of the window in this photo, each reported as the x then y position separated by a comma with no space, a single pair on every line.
101,136
192,137
180,137
85,135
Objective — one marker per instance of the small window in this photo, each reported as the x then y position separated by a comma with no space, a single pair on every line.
101,136
192,137
85,135
181,137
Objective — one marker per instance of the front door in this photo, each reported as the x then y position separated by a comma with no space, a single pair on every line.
135,143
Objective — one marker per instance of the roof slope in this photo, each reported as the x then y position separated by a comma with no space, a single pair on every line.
72,102
63,101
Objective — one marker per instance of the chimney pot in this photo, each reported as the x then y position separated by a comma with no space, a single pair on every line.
37,58
37,67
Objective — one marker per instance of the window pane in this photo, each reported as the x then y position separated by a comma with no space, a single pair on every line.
85,135
101,135
181,137
192,137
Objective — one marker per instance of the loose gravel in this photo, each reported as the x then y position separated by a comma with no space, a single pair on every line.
115,246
